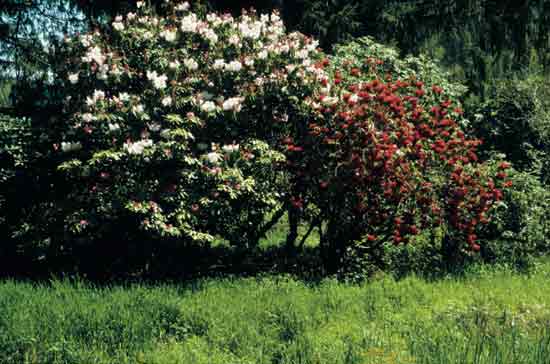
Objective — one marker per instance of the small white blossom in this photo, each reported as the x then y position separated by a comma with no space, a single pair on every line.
210,35
214,157
189,24
118,25
234,66
208,106
124,96
259,81
166,101
218,64
73,78
138,147
290,68
154,127
87,117
234,40
284,48
230,148
330,100
86,40
138,109
233,104
140,4
313,45
251,30
159,81
183,6
99,95
302,54
263,54
116,71
113,127
94,54
174,65
131,16
191,64
102,74
169,35
70,146
249,62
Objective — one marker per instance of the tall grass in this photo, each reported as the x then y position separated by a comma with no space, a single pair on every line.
490,317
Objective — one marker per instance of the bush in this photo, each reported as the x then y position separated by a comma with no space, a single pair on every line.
386,158
515,120
170,125
520,227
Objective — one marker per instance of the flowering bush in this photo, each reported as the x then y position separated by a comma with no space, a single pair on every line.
170,122
195,126
386,158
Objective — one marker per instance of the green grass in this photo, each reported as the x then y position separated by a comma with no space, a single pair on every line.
485,317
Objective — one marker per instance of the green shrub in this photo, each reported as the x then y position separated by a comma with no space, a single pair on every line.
515,120
520,228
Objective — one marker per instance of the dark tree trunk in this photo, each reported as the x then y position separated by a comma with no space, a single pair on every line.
293,220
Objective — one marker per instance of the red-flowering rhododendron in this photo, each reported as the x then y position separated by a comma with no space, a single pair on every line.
389,159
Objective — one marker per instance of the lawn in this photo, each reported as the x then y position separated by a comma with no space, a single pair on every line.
485,316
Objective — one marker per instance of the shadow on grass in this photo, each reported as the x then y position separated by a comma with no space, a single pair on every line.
108,264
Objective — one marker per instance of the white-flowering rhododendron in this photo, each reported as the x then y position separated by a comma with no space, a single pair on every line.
179,118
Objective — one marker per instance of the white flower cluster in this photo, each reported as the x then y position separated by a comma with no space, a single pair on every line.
252,30
208,106
189,23
159,81
170,35
209,34
118,24
73,78
230,148
191,64
259,51
214,157
137,147
183,6
233,104
94,54
70,146
97,96
234,66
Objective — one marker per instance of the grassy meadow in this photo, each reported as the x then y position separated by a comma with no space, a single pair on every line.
486,316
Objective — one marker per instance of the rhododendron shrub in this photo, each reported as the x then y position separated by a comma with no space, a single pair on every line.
170,123
386,159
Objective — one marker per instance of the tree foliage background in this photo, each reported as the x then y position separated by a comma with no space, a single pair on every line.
479,40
